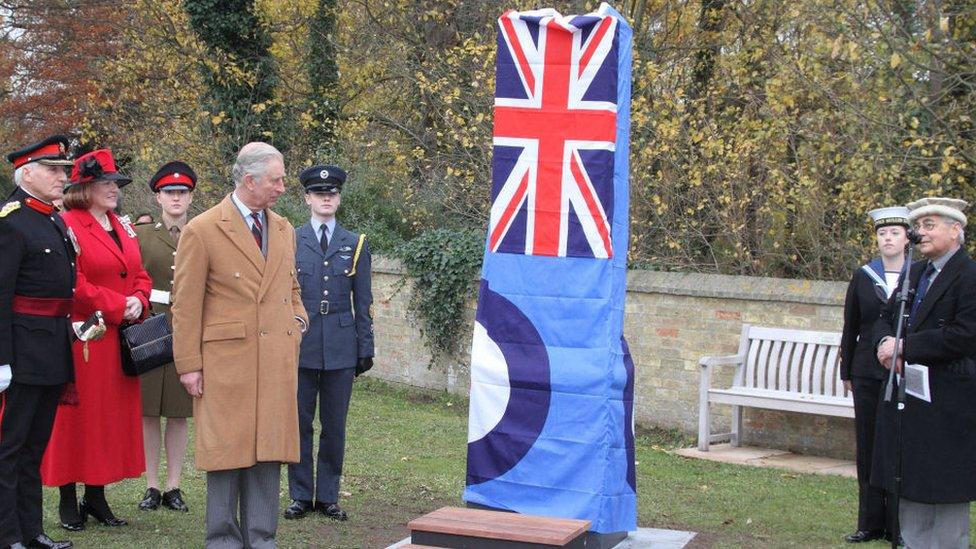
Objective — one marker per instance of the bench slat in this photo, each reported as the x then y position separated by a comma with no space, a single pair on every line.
750,366
785,363
806,370
831,375
785,401
772,367
803,336
796,366
818,370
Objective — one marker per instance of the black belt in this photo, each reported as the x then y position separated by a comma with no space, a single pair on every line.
326,307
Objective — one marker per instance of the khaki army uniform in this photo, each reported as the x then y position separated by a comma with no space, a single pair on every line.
162,393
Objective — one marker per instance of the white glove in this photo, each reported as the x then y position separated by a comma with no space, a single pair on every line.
5,377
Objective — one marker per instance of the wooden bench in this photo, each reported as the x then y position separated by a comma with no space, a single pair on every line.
476,528
776,369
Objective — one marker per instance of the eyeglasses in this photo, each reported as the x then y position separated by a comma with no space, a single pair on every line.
926,225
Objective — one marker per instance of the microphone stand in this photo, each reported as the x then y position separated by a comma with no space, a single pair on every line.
903,311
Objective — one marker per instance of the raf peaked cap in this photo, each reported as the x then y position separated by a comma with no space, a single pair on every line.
97,165
949,207
173,175
323,178
53,151
893,215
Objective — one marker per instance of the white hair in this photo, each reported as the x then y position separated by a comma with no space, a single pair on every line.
253,159
950,221
19,175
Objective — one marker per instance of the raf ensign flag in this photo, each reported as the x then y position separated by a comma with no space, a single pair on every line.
550,428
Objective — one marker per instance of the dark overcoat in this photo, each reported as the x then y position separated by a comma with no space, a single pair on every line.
939,437
333,285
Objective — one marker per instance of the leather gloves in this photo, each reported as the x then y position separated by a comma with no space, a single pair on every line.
364,364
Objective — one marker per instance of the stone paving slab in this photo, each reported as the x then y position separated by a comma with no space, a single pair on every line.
766,457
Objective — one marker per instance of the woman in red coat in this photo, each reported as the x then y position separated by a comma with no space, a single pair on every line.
99,440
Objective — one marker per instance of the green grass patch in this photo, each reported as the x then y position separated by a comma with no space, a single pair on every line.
405,456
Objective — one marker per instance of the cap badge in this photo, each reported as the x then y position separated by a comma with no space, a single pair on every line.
176,175
324,174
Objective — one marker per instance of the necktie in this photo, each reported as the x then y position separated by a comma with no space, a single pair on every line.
923,287
256,228
174,231
324,241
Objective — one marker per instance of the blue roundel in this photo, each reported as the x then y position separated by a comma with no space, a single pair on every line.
510,388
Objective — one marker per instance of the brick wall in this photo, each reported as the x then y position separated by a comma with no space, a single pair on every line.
672,319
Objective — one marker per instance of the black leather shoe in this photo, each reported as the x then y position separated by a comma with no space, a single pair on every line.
150,501
864,535
298,509
333,511
44,542
174,500
71,520
105,516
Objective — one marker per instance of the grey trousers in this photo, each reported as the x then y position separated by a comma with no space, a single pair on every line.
242,507
934,525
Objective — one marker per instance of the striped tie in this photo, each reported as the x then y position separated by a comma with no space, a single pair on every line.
256,228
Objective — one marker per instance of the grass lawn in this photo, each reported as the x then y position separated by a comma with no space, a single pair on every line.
405,456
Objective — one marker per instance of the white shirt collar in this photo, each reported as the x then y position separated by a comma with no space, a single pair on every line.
245,211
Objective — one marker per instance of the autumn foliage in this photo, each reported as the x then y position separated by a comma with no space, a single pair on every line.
762,131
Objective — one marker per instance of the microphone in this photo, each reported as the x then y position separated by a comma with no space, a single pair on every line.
913,236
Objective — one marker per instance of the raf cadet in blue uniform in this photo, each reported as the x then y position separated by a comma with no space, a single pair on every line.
37,280
334,273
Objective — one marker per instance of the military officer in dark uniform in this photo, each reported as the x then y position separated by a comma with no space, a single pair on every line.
37,279
334,273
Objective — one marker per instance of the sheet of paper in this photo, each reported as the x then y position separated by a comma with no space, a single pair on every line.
917,382
159,296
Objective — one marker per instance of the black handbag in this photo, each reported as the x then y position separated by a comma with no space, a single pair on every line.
147,345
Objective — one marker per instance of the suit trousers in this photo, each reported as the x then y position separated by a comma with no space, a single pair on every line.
242,507
332,389
872,510
26,421
934,525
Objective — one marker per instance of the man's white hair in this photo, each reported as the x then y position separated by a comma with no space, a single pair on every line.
19,175
253,159
950,221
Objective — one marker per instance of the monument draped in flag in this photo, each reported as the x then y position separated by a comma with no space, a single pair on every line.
550,428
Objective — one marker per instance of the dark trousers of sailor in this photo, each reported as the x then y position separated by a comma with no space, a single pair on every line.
25,427
872,509
332,388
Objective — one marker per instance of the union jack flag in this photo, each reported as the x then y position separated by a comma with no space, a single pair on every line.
555,135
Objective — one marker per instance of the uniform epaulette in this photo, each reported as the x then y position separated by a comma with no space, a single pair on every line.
9,207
